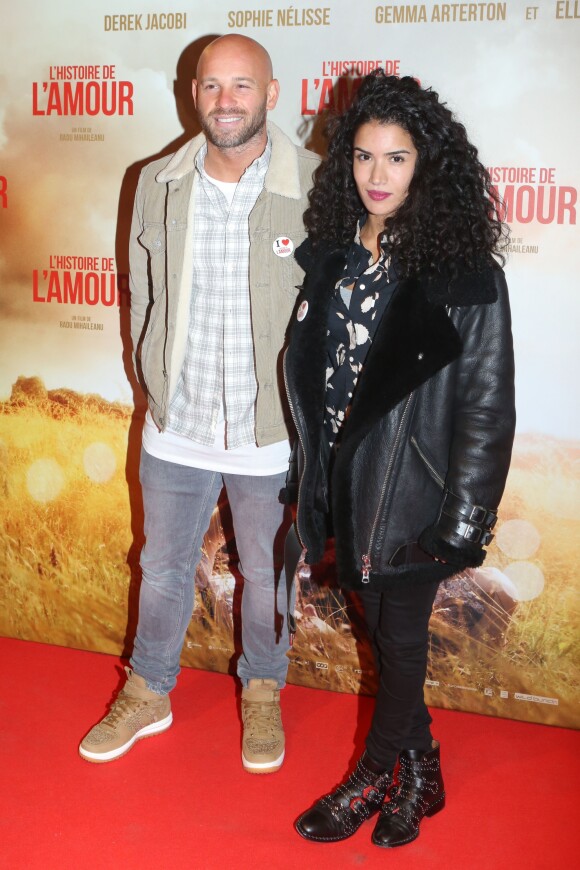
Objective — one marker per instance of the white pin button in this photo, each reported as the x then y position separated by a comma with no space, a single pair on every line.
302,311
283,246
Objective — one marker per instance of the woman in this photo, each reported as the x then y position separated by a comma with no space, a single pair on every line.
400,378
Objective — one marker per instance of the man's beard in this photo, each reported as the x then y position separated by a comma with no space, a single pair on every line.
223,138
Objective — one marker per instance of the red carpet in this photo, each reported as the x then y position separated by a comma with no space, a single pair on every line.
181,800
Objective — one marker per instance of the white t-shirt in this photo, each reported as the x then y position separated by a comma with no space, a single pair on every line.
228,188
251,460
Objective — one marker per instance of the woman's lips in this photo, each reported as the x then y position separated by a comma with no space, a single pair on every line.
378,195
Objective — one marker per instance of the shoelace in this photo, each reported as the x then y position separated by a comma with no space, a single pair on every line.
121,706
263,715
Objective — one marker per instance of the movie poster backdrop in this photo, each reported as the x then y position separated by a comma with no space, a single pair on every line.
88,96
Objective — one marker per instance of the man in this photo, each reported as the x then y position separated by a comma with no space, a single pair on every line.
213,286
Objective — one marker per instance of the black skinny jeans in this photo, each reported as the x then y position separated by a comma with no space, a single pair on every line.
398,622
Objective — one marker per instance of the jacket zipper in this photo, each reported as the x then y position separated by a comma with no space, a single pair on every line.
366,558
433,471
291,406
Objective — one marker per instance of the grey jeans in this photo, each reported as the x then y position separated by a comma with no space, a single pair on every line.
178,503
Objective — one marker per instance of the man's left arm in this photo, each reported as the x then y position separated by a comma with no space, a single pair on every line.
138,269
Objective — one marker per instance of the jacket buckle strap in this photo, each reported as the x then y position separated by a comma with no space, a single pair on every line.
473,534
483,517
469,514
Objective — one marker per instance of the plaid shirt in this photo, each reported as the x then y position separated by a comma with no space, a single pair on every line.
219,361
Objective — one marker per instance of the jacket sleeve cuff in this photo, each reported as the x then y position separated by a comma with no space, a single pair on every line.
458,553
460,533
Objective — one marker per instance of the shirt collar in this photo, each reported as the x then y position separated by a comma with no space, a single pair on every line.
384,258
258,167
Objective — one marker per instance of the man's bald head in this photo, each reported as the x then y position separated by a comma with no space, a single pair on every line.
234,91
233,43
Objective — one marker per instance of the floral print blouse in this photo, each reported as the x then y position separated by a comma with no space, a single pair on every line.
351,328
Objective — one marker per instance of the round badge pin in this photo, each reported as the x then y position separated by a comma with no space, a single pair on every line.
283,246
302,311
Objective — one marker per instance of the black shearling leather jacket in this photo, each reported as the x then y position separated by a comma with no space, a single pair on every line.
426,447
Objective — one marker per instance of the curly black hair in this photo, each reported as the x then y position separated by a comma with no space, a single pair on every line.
450,213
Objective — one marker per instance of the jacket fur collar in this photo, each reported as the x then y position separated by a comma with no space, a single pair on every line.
414,340
282,176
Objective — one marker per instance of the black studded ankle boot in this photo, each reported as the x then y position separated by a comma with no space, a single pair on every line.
338,815
419,792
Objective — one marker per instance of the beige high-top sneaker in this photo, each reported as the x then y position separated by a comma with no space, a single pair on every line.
137,712
263,740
